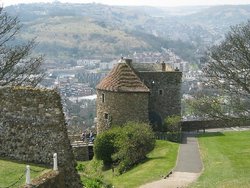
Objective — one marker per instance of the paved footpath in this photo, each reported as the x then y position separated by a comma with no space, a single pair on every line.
188,167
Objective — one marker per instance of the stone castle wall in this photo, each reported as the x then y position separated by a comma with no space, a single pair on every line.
121,108
166,102
32,128
197,125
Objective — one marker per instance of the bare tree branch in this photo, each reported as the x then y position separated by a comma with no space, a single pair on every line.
17,66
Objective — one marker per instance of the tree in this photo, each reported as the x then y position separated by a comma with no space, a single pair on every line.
227,73
17,66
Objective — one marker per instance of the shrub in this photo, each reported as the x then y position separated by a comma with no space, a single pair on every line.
173,123
93,175
95,183
104,146
134,143
92,183
80,168
125,146
173,127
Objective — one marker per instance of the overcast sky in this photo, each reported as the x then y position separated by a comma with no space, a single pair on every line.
166,3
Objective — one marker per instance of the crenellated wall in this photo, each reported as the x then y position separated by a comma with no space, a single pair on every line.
32,128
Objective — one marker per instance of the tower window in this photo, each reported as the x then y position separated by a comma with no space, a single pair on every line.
160,92
106,116
103,97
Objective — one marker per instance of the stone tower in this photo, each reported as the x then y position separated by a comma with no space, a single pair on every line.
138,92
121,97
165,90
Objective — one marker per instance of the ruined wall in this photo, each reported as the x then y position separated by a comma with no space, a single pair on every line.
51,179
166,102
121,108
32,128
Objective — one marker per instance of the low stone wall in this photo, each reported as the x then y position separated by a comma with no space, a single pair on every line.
32,128
52,179
81,152
210,124
75,137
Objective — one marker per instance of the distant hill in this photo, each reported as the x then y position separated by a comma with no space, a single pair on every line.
71,31
220,16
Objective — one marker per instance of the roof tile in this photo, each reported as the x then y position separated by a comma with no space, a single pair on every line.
122,79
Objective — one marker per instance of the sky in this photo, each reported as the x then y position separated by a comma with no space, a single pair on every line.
158,3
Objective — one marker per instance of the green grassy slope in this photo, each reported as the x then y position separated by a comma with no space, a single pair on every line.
226,160
11,172
160,161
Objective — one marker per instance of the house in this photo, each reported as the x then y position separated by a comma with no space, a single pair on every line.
144,92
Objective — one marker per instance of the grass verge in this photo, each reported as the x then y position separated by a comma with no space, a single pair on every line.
12,171
226,160
160,161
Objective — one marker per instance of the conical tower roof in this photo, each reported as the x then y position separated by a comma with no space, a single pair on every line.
122,79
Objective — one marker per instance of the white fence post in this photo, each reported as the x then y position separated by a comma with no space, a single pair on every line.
27,182
55,167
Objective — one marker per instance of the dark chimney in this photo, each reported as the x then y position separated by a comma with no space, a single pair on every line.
163,66
128,61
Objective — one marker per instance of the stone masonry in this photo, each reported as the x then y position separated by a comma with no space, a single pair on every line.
32,128
121,107
165,95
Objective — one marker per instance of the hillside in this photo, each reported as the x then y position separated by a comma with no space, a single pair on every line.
71,31
67,35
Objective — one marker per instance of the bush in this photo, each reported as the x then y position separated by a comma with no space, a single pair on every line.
172,126
92,183
125,146
173,123
95,183
80,168
104,146
134,143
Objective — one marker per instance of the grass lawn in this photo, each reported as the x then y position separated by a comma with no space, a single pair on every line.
226,158
160,161
11,171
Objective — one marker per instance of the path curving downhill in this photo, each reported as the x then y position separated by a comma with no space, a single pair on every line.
188,167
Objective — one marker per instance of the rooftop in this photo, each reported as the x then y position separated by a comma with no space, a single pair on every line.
122,79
